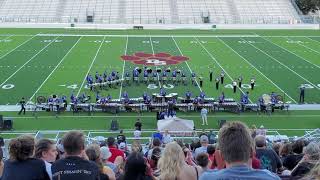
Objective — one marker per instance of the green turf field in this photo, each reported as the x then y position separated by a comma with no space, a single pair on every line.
54,62
42,62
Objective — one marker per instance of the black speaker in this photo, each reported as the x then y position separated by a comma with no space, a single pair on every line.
7,124
221,123
114,125
1,141
1,121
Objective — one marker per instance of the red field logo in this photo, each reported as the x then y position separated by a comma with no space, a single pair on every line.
159,59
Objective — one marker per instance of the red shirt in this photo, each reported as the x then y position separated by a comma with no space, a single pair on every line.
115,153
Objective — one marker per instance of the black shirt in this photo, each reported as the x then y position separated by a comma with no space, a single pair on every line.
292,160
268,159
75,168
138,125
30,169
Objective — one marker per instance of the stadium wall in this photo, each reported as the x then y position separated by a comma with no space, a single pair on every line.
161,26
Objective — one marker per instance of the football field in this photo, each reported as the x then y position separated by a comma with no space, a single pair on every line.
38,63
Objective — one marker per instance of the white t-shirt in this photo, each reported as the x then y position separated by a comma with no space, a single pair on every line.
137,134
204,111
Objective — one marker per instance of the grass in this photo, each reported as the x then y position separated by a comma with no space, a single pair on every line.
42,65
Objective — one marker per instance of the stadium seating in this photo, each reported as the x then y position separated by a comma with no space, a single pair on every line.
150,11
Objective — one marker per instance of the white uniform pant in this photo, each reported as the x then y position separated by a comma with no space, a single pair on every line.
204,119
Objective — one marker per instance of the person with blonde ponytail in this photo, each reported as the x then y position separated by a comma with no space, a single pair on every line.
172,165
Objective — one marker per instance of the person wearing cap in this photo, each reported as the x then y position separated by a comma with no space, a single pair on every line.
204,144
121,137
105,155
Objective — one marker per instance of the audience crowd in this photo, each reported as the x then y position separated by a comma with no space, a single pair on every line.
237,154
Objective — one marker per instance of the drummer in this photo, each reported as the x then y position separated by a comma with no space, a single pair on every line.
188,95
145,76
202,95
183,78
174,76
144,96
162,92
164,76
193,78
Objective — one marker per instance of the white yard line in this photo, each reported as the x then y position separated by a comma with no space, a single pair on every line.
94,59
282,64
17,47
124,64
28,61
213,58
55,69
305,46
257,70
311,39
156,66
290,52
160,35
7,37
175,42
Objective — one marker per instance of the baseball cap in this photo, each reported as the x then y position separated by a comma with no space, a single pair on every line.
105,153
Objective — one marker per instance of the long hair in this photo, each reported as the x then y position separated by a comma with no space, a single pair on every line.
135,167
93,152
171,162
21,148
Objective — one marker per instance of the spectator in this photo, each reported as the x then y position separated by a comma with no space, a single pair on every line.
276,148
135,168
156,143
253,131
235,143
113,149
220,163
210,150
157,135
212,137
292,159
268,158
123,148
261,131
75,165
138,125
314,173
1,162
172,164
105,155
136,147
121,137
204,144
285,150
203,161
47,151
94,154
156,153
309,160
166,137
21,165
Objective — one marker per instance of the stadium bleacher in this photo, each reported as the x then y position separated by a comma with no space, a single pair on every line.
150,11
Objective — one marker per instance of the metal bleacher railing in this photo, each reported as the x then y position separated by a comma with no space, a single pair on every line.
100,135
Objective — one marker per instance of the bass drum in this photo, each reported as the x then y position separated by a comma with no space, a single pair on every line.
41,99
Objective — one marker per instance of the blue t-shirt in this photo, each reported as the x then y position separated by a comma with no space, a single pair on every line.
240,172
